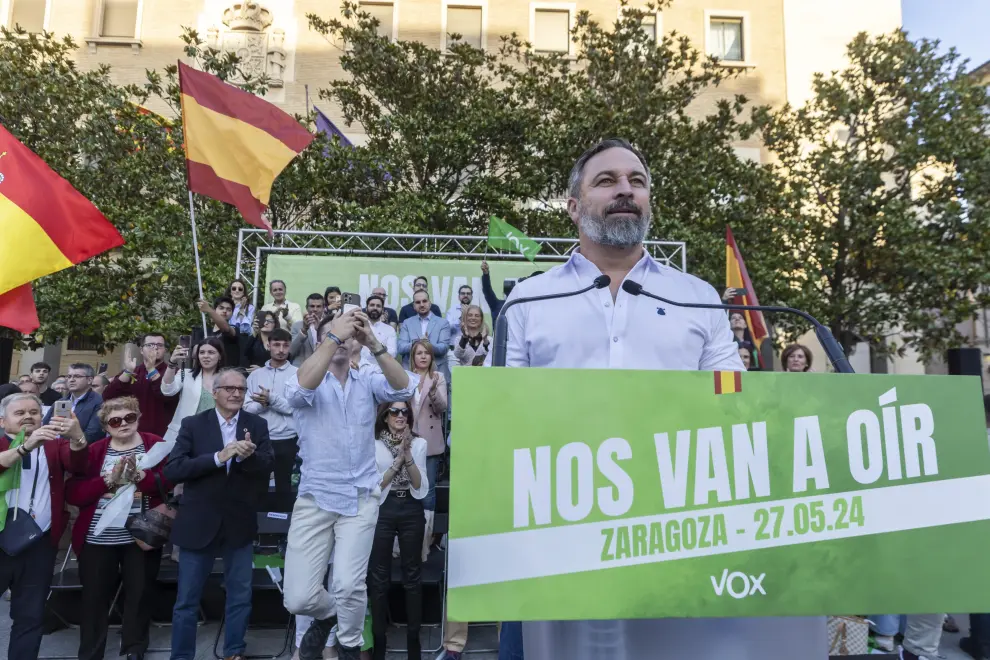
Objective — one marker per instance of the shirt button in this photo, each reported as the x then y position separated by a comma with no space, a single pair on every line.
608,304
615,339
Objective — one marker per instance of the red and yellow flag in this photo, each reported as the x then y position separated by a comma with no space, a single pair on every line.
47,226
728,382
736,277
236,143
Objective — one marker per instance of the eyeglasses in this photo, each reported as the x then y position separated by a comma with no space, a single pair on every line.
232,389
75,376
154,345
115,422
395,412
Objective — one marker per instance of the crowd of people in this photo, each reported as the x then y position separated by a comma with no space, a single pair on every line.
346,409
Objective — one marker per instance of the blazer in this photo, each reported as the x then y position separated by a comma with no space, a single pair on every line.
213,497
408,311
61,459
85,491
86,412
301,348
428,415
438,332
466,354
156,408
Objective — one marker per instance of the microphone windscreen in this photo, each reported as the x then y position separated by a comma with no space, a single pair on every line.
633,288
602,281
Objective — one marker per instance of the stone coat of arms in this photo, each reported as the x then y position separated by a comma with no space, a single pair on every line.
246,33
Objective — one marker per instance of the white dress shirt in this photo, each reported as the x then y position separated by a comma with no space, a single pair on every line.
336,427
386,335
43,493
295,311
591,331
384,460
454,319
228,431
278,412
424,324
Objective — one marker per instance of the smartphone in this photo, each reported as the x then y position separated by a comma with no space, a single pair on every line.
103,368
739,292
63,408
350,301
185,341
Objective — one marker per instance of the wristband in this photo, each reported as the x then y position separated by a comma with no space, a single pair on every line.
381,351
334,338
408,463
129,374
21,451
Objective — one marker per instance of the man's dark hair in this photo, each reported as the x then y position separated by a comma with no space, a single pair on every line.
332,289
424,292
315,296
279,334
422,277
464,286
41,365
223,299
144,338
374,297
85,368
577,172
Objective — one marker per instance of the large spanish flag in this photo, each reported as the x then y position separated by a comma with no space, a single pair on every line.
47,225
736,277
236,143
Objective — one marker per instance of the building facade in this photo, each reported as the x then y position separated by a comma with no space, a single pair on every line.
777,44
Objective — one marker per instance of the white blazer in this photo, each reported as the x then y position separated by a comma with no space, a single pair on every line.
384,459
191,389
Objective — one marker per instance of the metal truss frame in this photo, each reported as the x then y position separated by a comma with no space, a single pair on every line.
253,246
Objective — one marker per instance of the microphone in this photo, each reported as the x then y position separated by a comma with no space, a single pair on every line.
502,322
831,347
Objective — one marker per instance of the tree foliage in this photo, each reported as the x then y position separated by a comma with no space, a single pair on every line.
889,165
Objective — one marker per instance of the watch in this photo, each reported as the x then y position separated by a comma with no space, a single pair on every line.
381,351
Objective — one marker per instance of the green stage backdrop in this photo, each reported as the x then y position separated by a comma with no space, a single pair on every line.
304,275
584,494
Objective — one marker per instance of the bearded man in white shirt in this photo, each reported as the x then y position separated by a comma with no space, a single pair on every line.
609,201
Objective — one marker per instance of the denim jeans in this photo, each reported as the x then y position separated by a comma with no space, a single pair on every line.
432,473
194,569
886,624
510,642
979,632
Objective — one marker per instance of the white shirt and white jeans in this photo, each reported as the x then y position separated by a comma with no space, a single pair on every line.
592,331
337,508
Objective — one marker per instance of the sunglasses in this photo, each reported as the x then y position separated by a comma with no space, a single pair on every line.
395,412
236,288
116,422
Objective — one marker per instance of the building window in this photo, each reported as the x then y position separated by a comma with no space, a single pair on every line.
550,27
385,13
29,14
82,343
652,24
727,36
467,20
119,19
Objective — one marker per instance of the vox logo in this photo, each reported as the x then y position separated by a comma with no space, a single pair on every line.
739,585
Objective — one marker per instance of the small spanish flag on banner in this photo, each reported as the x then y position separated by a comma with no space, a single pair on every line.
736,277
236,143
47,226
728,382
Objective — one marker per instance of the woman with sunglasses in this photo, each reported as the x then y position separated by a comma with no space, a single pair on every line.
112,465
401,458
256,352
243,314
194,387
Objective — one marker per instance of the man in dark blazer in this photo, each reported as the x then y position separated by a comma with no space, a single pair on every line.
409,310
224,460
85,403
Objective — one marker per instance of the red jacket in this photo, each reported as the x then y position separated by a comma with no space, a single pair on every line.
61,459
156,408
86,490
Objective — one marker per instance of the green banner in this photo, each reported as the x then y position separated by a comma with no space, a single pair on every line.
304,275
585,494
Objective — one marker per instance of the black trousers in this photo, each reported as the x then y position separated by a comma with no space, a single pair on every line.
99,568
285,460
402,516
29,578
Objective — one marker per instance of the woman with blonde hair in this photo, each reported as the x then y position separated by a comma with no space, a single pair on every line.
429,405
475,340
113,464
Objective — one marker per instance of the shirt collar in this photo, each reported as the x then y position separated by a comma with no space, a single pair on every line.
585,268
233,420
74,399
268,365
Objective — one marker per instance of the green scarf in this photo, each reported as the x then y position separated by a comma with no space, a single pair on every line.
10,479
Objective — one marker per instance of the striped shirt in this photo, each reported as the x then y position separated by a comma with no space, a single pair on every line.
114,535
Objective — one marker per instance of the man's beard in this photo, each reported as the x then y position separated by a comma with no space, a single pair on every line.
615,233
374,314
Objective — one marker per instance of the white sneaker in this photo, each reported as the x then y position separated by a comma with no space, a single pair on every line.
884,642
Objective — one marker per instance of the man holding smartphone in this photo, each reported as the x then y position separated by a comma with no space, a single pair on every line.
144,382
80,401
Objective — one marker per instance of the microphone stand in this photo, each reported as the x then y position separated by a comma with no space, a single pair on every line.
502,322
832,349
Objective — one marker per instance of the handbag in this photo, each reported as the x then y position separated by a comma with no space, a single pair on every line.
21,530
152,527
848,635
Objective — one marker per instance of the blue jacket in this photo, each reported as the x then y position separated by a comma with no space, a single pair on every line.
86,412
438,332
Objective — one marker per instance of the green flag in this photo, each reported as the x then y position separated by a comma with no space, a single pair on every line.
503,236
10,480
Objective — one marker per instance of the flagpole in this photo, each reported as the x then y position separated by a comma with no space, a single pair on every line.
199,273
